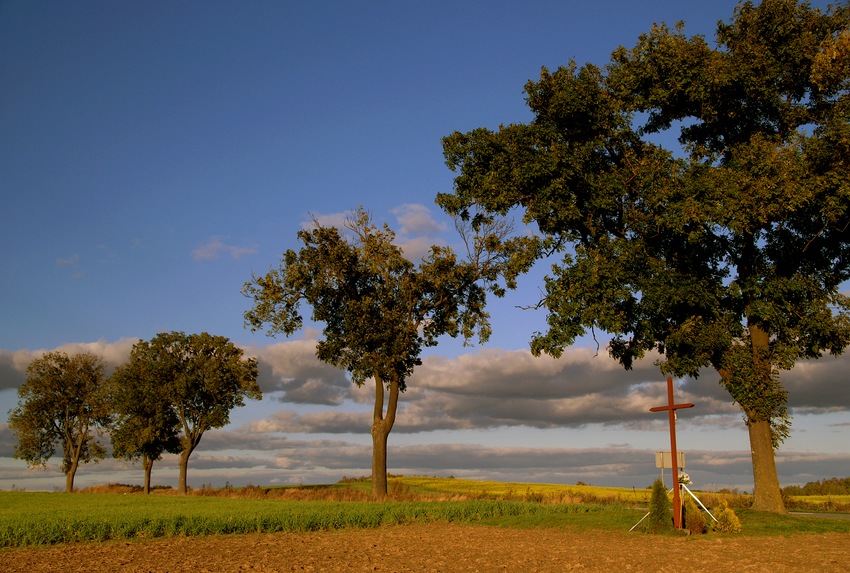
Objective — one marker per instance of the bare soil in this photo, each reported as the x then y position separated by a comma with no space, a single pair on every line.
442,547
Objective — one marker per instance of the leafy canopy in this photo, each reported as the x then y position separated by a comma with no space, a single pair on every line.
204,377
727,250
62,403
146,424
378,308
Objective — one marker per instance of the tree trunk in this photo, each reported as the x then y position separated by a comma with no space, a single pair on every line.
69,476
147,462
182,488
767,495
382,424
73,448
379,460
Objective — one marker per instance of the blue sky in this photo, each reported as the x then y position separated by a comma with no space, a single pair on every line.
153,155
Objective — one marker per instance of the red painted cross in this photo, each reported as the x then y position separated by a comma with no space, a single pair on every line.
671,408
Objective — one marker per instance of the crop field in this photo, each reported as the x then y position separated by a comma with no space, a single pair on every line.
526,491
820,502
39,518
50,518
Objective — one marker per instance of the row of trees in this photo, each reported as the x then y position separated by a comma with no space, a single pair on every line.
380,311
173,388
830,486
725,252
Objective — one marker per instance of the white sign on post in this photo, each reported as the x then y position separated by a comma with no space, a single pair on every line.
665,459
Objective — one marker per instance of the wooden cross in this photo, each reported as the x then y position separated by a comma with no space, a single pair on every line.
671,408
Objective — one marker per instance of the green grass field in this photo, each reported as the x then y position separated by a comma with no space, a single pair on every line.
37,518
48,518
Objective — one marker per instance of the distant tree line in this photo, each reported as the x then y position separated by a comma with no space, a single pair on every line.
831,486
173,388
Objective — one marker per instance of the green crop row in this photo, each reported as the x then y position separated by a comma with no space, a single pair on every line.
32,519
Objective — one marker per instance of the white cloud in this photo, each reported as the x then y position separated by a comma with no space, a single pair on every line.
819,385
71,261
416,248
215,248
113,353
292,369
503,388
289,422
337,220
416,219
7,442
13,364
417,230
492,387
244,456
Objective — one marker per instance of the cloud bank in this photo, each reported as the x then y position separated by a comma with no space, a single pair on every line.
488,390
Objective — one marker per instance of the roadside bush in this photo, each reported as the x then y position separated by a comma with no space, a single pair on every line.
695,520
727,521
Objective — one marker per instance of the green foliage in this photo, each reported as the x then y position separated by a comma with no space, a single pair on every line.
200,378
146,423
379,309
204,377
831,486
660,518
695,518
39,519
62,403
726,252
727,520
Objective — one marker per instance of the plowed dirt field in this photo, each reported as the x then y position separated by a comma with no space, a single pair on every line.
441,547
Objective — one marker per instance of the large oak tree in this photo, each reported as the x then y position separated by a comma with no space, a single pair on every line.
62,403
726,250
378,308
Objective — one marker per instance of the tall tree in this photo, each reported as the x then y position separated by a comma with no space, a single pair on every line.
63,402
146,424
204,378
378,308
725,252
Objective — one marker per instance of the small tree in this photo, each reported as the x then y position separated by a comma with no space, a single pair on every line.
379,309
203,377
63,402
146,423
660,516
